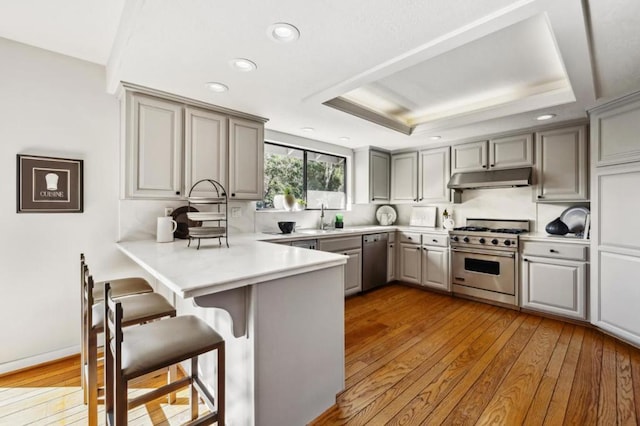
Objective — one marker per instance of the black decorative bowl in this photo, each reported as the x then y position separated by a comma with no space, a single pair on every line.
557,227
286,227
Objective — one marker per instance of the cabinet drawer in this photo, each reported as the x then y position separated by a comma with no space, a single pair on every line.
409,237
435,240
555,250
339,244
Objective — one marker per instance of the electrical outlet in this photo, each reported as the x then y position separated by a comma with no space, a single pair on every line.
168,211
236,212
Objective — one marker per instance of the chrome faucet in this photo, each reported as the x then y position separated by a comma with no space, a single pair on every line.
321,216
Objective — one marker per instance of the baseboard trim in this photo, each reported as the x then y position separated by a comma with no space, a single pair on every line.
21,364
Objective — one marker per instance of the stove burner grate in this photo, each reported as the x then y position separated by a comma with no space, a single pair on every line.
515,231
472,229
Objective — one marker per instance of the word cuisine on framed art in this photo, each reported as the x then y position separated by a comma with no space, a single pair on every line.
49,185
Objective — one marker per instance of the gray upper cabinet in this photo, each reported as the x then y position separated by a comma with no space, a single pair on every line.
246,159
511,151
499,153
372,176
404,177
205,149
434,170
469,157
170,143
562,165
615,128
154,147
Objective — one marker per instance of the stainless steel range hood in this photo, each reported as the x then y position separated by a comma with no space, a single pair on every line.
491,179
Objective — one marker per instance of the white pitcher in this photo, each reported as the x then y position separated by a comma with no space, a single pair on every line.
165,229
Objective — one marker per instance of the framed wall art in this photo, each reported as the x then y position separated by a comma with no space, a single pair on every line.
49,185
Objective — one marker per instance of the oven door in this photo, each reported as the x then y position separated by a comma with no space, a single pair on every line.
493,271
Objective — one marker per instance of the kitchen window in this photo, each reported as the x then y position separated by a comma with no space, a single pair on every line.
316,178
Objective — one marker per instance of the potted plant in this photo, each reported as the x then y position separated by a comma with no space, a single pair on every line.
300,204
289,198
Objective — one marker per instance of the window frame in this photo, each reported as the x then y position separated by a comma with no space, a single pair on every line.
305,151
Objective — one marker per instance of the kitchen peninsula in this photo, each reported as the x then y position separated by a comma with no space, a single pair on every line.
287,314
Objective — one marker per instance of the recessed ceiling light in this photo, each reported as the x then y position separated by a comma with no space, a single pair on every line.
308,129
242,64
283,32
435,138
344,139
214,86
545,117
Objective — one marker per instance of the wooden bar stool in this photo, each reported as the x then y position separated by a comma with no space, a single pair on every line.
140,309
120,287
140,350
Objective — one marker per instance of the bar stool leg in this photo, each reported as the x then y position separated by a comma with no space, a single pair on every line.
193,394
92,379
172,376
221,383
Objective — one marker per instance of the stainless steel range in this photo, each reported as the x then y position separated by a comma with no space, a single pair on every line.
484,259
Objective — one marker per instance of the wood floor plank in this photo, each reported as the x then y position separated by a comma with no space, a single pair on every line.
558,404
438,389
538,409
582,408
390,402
634,358
625,404
608,372
514,395
446,406
483,389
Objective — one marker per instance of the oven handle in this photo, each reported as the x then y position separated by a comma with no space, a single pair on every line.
486,252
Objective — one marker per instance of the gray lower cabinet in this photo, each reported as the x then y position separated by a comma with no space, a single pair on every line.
410,263
554,278
391,257
435,267
352,247
424,260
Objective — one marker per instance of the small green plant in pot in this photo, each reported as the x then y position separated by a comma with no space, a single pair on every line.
300,204
289,198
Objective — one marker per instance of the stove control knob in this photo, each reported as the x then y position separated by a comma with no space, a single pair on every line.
455,238
481,240
494,241
466,239
507,242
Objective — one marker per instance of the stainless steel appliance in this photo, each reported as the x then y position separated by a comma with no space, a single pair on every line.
374,260
484,259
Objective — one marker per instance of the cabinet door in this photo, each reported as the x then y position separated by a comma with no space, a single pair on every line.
410,270
379,176
554,286
435,268
205,149
153,148
469,157
561,165
512,151
246,159
353,272
391,262
404,177
434,172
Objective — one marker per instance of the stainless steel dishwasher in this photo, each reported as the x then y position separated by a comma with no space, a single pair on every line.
374,261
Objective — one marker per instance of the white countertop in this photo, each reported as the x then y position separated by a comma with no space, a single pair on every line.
543,236
191,273
308,234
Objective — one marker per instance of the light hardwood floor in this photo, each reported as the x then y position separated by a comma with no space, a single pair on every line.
415,357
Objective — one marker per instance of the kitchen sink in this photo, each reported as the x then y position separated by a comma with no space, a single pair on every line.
322,231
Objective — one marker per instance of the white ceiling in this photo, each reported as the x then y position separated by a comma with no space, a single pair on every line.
454,68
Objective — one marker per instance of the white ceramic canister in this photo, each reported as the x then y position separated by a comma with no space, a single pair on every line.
165,229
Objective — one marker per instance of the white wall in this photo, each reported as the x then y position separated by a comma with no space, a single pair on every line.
54,105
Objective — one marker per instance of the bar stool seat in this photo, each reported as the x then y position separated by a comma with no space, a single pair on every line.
122,287
136,351
138,308
164,343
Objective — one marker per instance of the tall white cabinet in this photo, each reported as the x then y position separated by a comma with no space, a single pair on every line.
169,143
615,235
